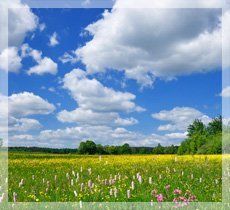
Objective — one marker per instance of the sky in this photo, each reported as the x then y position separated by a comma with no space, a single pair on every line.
114,76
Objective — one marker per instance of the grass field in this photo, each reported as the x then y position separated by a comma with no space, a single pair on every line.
48,177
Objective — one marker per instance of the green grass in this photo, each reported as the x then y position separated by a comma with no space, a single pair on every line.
199,175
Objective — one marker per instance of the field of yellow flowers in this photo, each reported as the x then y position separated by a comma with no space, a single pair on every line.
148,178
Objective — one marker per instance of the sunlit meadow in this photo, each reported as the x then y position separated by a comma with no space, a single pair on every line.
148,178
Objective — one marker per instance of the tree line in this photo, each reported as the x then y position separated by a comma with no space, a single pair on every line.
201,139
90,147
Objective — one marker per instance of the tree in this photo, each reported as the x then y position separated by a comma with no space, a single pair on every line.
215,126
170,149
111,150
158,150
125,149
196,127
143,151
100,149
88,147
202,139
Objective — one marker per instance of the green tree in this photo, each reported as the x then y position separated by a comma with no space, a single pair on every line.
215,126
125,149
158,150
202,139
111,150
100,149
88,147
196,127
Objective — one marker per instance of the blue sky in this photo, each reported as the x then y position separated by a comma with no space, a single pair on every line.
146,79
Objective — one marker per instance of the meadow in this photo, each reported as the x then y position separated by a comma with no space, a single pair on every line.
136,178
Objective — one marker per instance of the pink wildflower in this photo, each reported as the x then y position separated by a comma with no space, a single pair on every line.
160,198
167,187
177,191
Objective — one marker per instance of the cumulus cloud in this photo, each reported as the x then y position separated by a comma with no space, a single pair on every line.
3,116
226,92
126,121
225,39
10,60
165,140
86,116
23,124
27,51
16,107
14,112
97,104
101,134
13,117
21,21
176,135
53,40
22,139
26,103
91,94
146,44
90,117
44,65
179,118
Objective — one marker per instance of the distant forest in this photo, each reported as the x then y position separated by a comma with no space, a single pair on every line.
201,139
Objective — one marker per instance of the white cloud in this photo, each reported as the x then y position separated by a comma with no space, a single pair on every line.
126,122
69,57
165,140
21,21
42,26
101,134
18,106
226,92
97,104
176,135
179,118
53,40
83,116
225,39
3,116
91,94
10,60
25,104
46,65
90,117
22,137
23,124
153,43
27,51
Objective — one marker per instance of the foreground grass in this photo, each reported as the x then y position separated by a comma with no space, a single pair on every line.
48,177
